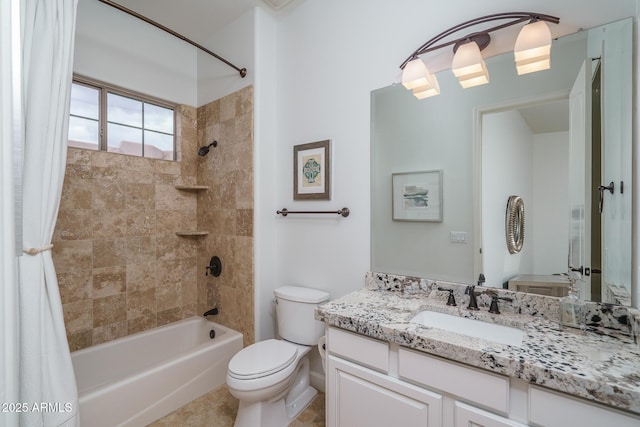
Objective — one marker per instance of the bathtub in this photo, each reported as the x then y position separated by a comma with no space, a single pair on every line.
137,379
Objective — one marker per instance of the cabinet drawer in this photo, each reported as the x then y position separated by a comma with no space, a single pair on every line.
551,409
363,350
466,415
483,388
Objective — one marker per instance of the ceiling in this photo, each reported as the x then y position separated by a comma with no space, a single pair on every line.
199,19
549,117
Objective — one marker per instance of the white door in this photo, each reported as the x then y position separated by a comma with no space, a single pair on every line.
580,178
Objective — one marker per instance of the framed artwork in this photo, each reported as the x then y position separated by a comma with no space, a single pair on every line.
312,171
417,196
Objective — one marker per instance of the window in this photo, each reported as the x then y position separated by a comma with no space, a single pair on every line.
111,119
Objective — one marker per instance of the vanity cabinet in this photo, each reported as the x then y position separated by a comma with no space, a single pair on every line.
552,409
363,397
373,383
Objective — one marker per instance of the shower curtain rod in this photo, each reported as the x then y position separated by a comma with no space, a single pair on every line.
241,71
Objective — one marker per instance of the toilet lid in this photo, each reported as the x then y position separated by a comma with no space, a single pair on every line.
262,358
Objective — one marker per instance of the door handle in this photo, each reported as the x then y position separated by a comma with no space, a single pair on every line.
601,189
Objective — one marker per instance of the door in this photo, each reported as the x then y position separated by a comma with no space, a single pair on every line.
597,191
579,258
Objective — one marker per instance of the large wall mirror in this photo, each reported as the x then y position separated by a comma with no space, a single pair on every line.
556,138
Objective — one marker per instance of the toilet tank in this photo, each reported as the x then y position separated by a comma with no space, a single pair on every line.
295,307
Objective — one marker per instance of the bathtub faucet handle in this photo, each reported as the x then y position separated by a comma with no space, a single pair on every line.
213,311
214,267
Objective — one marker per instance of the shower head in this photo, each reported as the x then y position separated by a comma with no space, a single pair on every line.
204,150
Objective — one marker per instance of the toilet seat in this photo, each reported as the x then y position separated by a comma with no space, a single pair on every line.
262,359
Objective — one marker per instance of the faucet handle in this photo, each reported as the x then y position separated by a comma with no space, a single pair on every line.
481,279
451,300
493,308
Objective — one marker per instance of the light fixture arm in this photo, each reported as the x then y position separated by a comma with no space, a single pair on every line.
514,17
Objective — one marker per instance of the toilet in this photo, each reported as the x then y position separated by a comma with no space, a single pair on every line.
271,378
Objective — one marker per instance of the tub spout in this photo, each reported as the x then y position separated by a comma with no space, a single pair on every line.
211,312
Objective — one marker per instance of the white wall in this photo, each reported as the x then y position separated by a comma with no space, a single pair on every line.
549,212
237,43
265,166
116,48
507,150
537,167
120,49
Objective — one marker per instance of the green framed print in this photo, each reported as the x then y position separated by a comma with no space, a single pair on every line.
312,171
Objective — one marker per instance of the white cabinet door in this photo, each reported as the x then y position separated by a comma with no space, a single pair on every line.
360,397
468,416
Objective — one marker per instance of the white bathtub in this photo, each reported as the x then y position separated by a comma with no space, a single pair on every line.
137,379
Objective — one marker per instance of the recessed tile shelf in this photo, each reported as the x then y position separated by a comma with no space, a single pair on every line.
194,188
192,233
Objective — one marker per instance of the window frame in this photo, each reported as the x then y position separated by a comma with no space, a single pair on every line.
104,89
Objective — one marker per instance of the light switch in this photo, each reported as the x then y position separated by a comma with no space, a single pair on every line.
458,237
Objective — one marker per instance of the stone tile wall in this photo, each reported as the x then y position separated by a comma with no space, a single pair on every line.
121,267
226,210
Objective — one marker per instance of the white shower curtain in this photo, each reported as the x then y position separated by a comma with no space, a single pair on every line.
46,373
10,146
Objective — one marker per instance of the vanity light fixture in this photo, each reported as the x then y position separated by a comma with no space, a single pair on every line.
468,65
532,52
533,48
416,76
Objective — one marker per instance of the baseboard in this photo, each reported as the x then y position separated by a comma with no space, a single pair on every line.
317,380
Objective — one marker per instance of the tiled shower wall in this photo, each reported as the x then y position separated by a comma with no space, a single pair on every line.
121,267
226,210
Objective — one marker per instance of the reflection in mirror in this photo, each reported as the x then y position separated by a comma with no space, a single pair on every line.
525,151
451,133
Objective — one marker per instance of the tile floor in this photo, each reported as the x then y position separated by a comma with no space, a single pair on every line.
218,409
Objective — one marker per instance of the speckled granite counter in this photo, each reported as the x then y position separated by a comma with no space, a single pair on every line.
601,367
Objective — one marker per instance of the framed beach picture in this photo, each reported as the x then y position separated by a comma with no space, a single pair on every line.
417,196
312,171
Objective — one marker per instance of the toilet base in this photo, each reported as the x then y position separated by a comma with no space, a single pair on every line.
282,411
300,403
273,414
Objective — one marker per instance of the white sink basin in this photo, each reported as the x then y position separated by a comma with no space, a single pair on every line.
470,327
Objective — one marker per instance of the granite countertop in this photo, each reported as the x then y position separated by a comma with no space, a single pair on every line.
599,367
